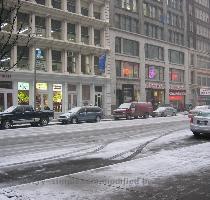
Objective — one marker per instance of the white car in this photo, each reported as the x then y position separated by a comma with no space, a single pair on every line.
200,123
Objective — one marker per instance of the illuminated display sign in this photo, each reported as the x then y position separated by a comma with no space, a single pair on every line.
23,86
152,72
41,86
57,87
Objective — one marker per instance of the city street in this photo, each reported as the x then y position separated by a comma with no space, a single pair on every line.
131,159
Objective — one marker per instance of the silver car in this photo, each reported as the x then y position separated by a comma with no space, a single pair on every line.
200,123
164,111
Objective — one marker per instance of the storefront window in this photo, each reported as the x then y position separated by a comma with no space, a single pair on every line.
41,96
57,97
155,73
23,93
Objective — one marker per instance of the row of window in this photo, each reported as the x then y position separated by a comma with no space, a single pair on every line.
175,20
176,4
153,73
203,2
202,15
203,81
126,23
203,31
23,27
129,5
71,7
202,45
57,65
153,31
203,62
152,11
131,47
175,37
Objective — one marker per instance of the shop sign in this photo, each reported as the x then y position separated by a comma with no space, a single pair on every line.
23,86
41,86
177,92
155,85
57,87
5,76
205,91
177,87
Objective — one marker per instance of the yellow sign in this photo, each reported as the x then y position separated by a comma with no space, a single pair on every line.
41,86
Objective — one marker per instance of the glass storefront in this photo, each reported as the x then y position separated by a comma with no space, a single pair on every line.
42,96
23,93
155,96
57,97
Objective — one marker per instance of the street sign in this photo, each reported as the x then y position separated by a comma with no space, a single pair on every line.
205,91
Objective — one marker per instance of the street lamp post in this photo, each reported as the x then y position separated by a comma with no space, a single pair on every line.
35,82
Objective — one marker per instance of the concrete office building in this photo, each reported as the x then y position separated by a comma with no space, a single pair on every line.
70,36
151,59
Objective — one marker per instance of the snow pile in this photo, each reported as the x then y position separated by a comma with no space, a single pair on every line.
9,194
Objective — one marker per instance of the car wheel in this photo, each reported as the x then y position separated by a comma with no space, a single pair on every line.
196,134
7,124
174,114
98,119
44,121
74,120
146,115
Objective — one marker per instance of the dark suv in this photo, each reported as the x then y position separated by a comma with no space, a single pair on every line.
80,114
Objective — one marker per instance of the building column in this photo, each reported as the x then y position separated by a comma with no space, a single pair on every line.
142,73
78,63
78,33
48,3
165,29
92,70
13,61
32,52
64,30
187,78
107,98
78,7
92,94
64,5
91,36
50,95
64,61
90,9
166,75
79,94
49,59
15,93
32,23
48,27
31,93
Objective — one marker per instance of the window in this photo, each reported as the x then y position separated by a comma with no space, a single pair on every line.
42,2
97,15
41,64
6,18
84,10
56,61
86,93
40,26
127,69
71,32
97,37
154,52
96,66
152,11
129,5
56,29
118,45
84,35
155,73
71,62
5,60
176,75
71,6
23,23
175,37
23,57
153,31
176,57
130,47
56,4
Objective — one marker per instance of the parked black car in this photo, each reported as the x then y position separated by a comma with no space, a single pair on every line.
79,114
24,114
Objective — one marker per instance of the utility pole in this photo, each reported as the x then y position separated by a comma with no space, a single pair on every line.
35,81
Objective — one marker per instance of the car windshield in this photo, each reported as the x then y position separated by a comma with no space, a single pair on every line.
161,109
204,114
10,109
74,110
125,105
